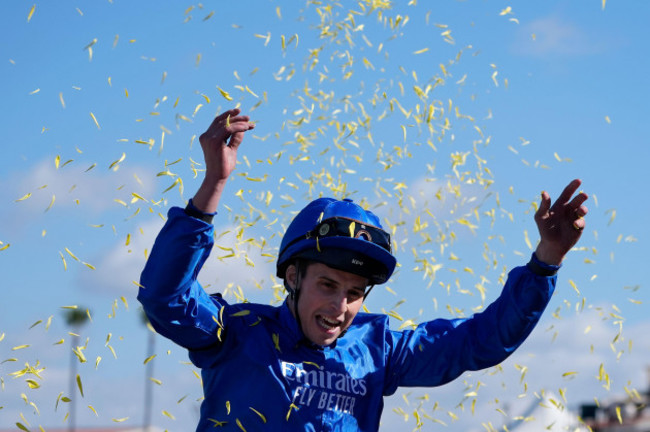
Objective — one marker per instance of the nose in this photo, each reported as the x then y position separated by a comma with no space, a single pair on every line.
339,303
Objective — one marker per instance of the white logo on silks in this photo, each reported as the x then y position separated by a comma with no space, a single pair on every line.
332,391
357,262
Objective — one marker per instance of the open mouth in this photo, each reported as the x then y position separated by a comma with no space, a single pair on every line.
327,324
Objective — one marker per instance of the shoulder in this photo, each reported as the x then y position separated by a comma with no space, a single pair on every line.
251,313
368,326
364,318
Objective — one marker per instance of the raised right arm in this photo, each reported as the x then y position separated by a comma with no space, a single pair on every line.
174,301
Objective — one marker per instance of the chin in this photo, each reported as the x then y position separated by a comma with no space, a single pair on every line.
325,341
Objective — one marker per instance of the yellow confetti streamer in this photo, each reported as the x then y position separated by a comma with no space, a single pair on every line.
276,341
224,93
24,197
19,347
117,162
31,13
241,313
95,120
51,203
240,425
80,386
32,384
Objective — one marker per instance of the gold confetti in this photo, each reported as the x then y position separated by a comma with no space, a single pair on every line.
31,13
35,324
276,341
224,93
114,164
258,413
241,313
32,384
80,386
19,347
95,120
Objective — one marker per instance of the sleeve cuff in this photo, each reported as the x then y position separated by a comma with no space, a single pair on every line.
541,268
194,212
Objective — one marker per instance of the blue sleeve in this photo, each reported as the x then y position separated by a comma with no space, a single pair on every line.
438,351
173,299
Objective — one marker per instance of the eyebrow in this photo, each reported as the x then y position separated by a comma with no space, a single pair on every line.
362,290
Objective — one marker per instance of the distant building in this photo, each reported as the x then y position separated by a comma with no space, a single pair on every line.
544,413
625,414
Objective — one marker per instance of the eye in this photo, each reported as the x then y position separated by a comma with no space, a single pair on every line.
355,294
328,286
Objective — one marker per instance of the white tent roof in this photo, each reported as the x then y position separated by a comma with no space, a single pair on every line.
547,413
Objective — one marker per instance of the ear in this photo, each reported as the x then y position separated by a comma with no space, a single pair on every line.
290,276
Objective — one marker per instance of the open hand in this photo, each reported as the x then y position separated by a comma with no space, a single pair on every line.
560,225
221,141
220,144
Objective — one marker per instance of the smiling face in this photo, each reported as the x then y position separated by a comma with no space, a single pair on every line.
329,300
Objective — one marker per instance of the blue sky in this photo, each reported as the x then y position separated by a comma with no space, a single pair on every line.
102,107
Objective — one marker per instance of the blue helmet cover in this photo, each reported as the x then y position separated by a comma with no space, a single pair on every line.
355,255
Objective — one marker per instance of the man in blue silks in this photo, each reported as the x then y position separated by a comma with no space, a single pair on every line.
315,363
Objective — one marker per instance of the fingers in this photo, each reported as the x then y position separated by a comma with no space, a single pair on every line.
568,192
223,116
579,223
581,211
236,139
578,200
225,125
544,206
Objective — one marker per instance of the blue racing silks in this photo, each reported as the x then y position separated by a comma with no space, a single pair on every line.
260,374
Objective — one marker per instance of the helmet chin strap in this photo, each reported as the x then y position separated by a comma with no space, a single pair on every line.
368,292
294,293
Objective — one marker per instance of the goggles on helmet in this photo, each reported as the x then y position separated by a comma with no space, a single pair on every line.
345,227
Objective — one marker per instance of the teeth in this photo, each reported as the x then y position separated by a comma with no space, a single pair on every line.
327,323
